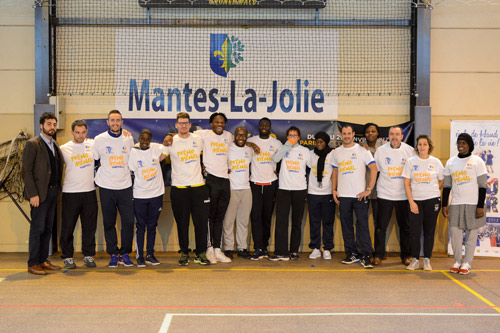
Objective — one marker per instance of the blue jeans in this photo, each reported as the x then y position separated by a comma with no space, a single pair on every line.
147,212
362,244
321,210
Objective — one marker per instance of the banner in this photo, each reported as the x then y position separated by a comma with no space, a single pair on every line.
223,71
486,138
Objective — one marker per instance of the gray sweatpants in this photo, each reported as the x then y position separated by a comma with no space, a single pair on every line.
239,209
470,243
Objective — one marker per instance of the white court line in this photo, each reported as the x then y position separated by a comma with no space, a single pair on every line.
1,279
169,316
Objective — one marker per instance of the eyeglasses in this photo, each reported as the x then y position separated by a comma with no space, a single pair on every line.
293,135
183,123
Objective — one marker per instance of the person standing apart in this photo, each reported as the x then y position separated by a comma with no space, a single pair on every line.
148,192
320,199
390,159
79,198
350,192
189,195
263,183
292,192
465,176
42,171
240,204
112,148
423,180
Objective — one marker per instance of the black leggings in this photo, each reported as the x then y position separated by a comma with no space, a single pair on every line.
426,219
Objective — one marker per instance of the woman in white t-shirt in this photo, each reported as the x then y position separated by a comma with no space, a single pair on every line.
320,199
423,180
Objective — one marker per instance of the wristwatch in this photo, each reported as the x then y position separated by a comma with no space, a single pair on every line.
369,189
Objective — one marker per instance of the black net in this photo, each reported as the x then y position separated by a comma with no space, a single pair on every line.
11,178
348,48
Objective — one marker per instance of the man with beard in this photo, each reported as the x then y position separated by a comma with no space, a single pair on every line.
42,170
263,183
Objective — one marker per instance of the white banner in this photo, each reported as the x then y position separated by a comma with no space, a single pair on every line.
223,71
486,135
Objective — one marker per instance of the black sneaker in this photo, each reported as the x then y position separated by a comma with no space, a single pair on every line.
229,254
294,256
366,262
89,262
258,254
266,253
278,257
151,259
244,254
350,259
69,263
184,260
201,259
140,262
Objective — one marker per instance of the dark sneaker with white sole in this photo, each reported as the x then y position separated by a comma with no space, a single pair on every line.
151,259
350,259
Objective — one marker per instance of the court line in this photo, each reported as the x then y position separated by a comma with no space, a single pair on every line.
202,269
1,279
169,316
493,306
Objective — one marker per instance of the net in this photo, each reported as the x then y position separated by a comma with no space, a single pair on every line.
348,48
11,155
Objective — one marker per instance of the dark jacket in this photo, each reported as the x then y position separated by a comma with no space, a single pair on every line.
36,168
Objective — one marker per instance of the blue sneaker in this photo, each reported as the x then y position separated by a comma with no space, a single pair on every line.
113,263
125,260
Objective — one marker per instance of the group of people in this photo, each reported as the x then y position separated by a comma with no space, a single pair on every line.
223,181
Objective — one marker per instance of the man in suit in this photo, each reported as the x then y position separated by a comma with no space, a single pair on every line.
42,170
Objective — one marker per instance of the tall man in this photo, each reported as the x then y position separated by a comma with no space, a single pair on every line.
79,197
112,148
189,194
263,183
390,159
350,192
42,171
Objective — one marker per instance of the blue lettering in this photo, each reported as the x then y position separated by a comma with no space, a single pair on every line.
319,99
177,93
251,101
234,107
134,94
284,93
187,92
214,100
158,103
200,96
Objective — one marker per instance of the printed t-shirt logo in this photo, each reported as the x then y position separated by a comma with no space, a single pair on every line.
387,160
415,167
139,164
108,149
353,156
225,53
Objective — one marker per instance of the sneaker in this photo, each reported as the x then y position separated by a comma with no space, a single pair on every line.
220,256
201,259
294,256
151,259
210,254
350,259
414,264
465,269
89,262
366,262
266,253
184,260
69,263
327,255
113,263
125,260
229,254
455,268
258,254
427,264
140,262
278,257
244,254
315,254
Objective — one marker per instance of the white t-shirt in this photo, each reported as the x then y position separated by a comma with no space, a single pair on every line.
185,158
145,164
424,175
262,167
293,169
114,173
351,164
326,182
390,163
215,148
239,159
79,160
464,173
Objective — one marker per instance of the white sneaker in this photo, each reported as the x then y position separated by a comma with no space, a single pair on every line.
415,264
315,254
220,256
456,267
465,269
211,255
327,255
427,264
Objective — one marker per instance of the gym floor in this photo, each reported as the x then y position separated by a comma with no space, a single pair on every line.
249,296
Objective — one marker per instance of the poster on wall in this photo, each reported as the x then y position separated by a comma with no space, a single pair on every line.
487,146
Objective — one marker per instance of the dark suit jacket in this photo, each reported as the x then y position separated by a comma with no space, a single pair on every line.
36,168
